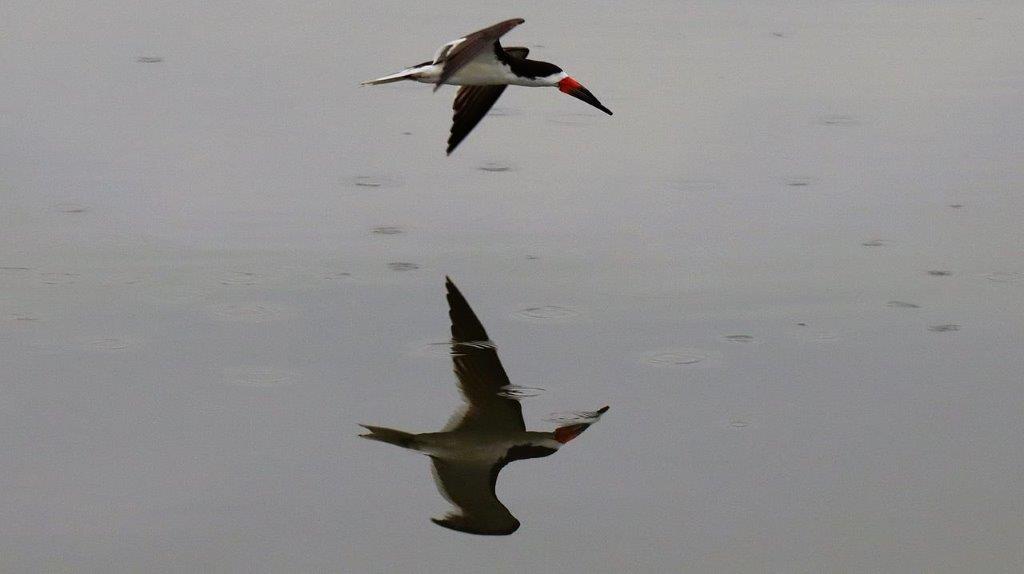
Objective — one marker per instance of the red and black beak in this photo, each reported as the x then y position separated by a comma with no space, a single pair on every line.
575,89
567,433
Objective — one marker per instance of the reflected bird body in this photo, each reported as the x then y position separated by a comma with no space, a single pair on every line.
483,68
483,437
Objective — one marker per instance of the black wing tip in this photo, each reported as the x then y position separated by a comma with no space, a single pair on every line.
452,525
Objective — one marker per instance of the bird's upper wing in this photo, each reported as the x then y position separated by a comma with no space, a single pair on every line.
481,377
469,486
462,51
473,102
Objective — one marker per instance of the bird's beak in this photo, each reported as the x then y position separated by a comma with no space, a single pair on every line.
575,89
567,433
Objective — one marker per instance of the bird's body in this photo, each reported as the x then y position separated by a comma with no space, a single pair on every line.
483,68
483,437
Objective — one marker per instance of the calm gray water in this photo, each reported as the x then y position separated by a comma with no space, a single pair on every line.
792,262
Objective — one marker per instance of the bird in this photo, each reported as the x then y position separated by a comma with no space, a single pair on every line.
482,68
482,437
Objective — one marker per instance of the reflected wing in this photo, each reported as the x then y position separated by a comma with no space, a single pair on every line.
473,102
480,374
470,488
460,53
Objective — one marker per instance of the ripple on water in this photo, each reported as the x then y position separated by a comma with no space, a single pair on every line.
799,181
240,278
388,230
547,312
739,423
247,312
939,273
432,349
519,392
874,243
149,59
108,344
69,208
945,328
1006,276
20,317
331,275
739,338
842,120
259,377
495,166
676,357
402,266
59,278
374,181
576,417
902,305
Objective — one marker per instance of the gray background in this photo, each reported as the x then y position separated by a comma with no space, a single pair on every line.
195,310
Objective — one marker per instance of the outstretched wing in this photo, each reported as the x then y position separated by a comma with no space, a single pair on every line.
480,375
473,102
469,486
461,52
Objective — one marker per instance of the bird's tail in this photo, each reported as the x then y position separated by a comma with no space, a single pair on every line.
396,77
390,436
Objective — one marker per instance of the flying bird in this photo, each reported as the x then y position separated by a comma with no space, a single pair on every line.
484,436
483,68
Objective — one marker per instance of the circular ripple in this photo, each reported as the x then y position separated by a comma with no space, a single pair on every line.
402,266
108,344
939,273
739,423
149,59
259,377
519,392
373,181
70,208
246,312
336,275
20,317
240,278
495,166
874,243
58,278
902,305
946,328
839,120
547,312
1006,277
676,357
388,230
740,338
432,349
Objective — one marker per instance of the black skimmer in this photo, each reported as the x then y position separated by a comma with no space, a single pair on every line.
483,68
484,436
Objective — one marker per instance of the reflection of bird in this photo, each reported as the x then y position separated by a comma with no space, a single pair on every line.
479,64
482,438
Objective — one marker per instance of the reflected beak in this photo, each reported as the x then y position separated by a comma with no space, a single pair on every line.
567,433
575,89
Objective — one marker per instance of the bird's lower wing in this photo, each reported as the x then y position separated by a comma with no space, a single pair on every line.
471,105
469,486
